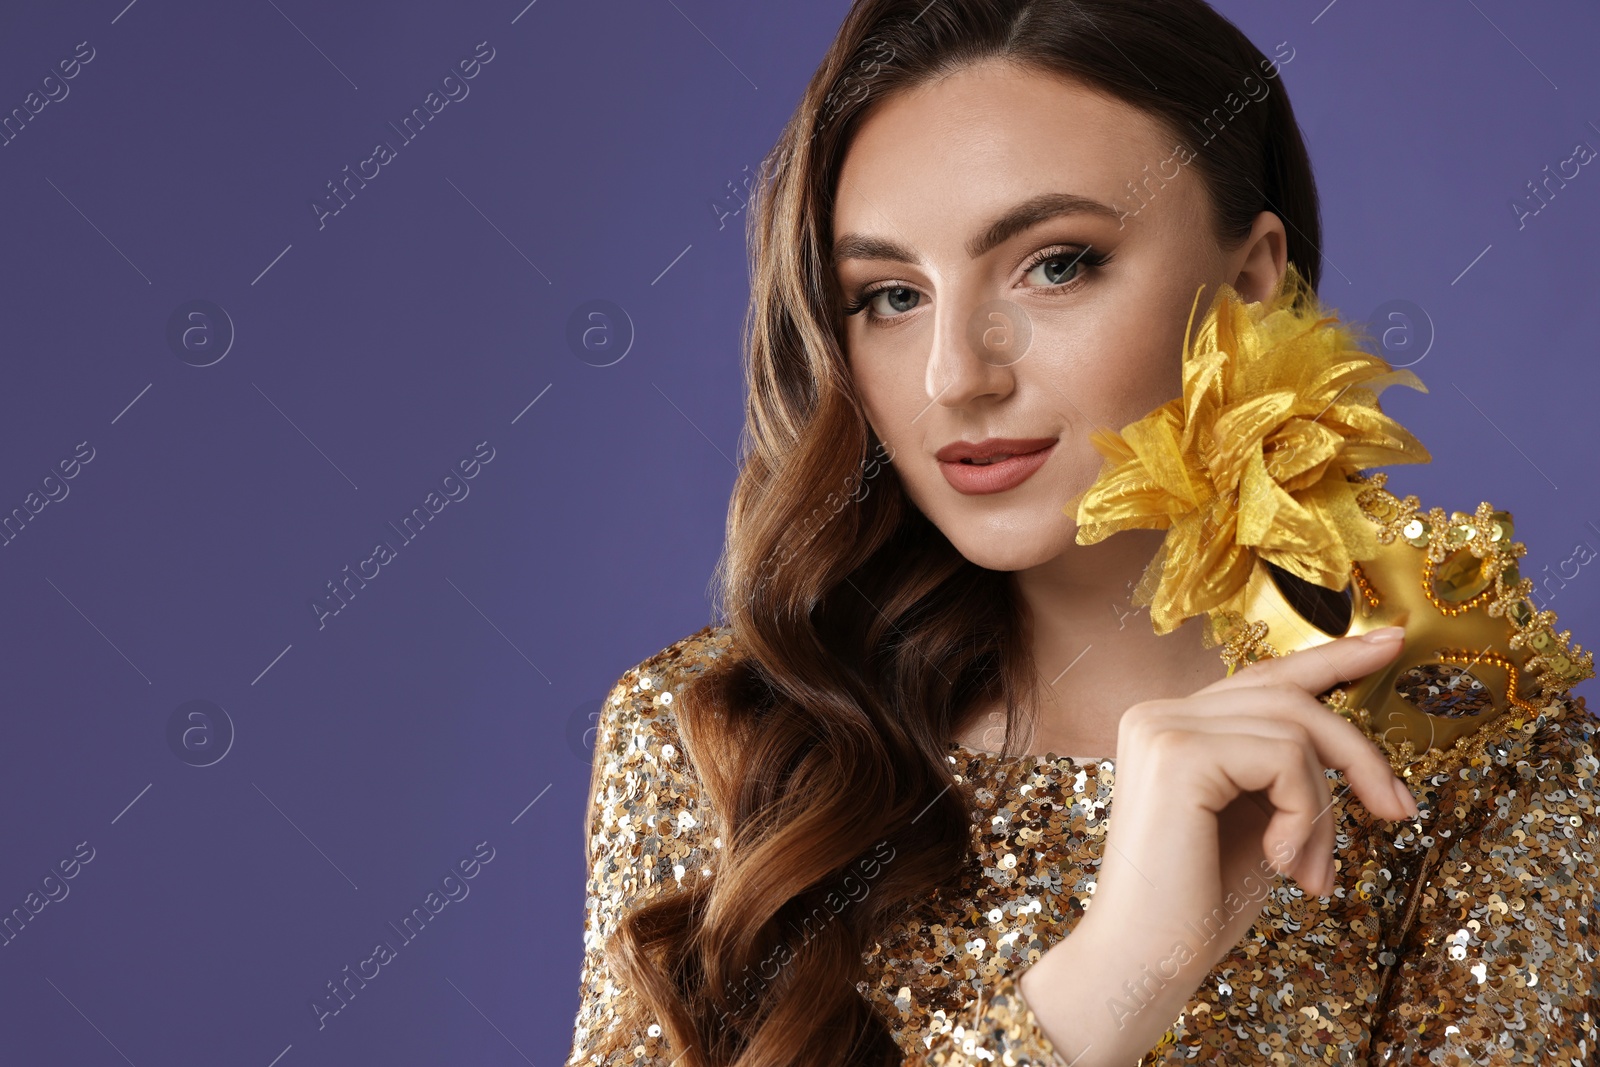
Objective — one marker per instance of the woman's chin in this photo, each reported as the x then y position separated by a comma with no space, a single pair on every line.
1009,550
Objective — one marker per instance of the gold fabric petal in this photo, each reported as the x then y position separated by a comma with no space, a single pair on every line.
1279,409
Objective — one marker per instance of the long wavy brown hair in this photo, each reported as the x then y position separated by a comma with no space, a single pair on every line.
863,637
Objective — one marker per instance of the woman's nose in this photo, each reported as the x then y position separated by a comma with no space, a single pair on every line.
976,349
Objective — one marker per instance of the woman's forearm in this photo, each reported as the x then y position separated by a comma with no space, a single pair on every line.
1100,1001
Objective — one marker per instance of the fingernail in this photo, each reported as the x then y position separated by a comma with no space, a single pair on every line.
1386,633
1406,798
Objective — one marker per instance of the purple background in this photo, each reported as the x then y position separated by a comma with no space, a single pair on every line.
370,354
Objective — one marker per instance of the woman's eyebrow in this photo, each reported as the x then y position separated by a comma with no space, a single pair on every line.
1015,220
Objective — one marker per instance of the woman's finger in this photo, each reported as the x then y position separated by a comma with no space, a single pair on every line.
1235,763
1337,742
1313,867
1299,844
1321,667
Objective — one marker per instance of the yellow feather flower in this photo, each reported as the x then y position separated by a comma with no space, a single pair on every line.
1279,408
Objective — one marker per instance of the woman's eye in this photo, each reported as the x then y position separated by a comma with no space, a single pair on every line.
900,299
887,303
1058,268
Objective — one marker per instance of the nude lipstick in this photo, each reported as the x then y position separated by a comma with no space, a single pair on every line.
970,466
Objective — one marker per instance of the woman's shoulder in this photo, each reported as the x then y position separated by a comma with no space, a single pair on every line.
1561,746
1521,799
679,661
1564,748
641,766
640,706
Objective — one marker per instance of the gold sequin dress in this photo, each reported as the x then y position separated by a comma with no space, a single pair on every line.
1468,936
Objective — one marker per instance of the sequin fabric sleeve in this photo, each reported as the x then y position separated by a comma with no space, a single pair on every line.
1000,1028
646,830
1498,962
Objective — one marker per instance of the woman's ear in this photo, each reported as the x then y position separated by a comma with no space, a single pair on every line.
1260,261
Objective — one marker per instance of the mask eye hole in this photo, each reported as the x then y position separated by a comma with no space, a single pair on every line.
1328,610
1444,690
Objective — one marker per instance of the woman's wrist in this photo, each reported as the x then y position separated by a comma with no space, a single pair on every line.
1078,992
1063,1002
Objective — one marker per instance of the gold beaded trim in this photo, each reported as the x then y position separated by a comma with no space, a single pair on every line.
1242,642
1557,663
1445,606
1468,749
1368,594
1463,658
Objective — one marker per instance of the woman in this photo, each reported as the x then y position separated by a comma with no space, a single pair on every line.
862,821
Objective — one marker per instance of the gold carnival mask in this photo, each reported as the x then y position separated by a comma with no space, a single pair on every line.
1275,536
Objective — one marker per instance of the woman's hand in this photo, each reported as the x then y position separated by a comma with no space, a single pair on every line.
1214,794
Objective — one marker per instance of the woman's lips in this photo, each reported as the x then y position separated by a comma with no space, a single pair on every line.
996,477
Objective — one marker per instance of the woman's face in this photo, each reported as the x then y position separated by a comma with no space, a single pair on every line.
979,207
